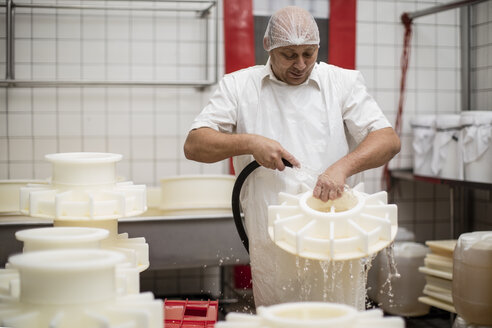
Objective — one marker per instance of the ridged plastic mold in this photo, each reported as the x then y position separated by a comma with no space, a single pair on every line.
57,238
74,289
312,315
353,226
83,186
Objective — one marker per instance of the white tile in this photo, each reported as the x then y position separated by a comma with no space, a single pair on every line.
142,73
387,78
94,144
446,102
68,25
118,26
69,51
23,71
118,124
42,171
447,57
143,172
4,171
191,53
44,124
20,150
22,51
447,36
166,53
166,169
44,99
221,167
386,56
23,25
427,19
425,57
93,27
166,100
3,124
426,35
3,100
166,29
142,28
94,72
44,147
142,148
69,125
365,55
94,99
69,72
386,33
427,100
93,52
185,121
387,100
190,167
166,73
94,124
166,124
3,149
44,71
19,99
365,33
142,100
366,11
70,144
19,125
44,26
448,17
21,171
386,12
118,73
191,73
191,29
118,52
321,8
118,99
190,102
44,51
482,78
69,100
426,79
142,53
142,124
481,56
167,148
119,145
480,11
447,80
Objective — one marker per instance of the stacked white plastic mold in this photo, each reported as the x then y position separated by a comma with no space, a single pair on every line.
446,155
312,315
476,134
84,192
354,226
423,128
68,238
75,288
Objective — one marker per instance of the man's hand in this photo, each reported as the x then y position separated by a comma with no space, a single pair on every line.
330,184
269,153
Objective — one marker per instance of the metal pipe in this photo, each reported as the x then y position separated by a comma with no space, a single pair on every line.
465,36
66,83
9,41
43,6
408,17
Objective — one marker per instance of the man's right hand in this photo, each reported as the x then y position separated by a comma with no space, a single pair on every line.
269,153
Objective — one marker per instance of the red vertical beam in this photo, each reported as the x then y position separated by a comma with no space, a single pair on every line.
342,33
239,38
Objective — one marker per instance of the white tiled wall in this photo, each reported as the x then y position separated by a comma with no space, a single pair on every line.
433,77
147,125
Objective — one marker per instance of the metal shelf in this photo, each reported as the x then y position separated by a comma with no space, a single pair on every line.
200,8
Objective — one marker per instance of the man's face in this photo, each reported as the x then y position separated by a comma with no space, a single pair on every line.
293,64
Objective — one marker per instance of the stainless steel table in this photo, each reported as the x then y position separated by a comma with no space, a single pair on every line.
175,242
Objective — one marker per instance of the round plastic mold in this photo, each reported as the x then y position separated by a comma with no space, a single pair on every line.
75,288
10,194
310,315
83,186
353,226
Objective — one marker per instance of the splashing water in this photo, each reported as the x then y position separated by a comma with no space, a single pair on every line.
392,273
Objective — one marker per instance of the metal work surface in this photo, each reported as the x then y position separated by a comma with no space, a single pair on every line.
175,242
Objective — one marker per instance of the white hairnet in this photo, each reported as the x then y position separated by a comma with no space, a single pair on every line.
290,26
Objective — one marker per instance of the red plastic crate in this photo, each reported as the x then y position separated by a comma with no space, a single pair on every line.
190,314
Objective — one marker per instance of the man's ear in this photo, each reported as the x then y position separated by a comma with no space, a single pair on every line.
266,43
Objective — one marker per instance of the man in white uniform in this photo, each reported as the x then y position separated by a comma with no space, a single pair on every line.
316,116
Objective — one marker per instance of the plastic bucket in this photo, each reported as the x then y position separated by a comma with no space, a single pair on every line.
446,155
476,135
423,128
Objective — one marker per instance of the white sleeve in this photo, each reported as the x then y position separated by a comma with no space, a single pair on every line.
221,111
361,113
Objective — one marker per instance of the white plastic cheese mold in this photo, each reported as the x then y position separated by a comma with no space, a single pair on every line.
83,186
353,226
74,289
312,315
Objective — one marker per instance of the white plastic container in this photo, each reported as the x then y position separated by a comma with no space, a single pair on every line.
10,194
472,277
310,315
476,135
446,156
74,289
424,130
351,227
197,194
406,288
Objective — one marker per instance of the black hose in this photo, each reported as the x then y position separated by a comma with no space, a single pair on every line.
236,205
